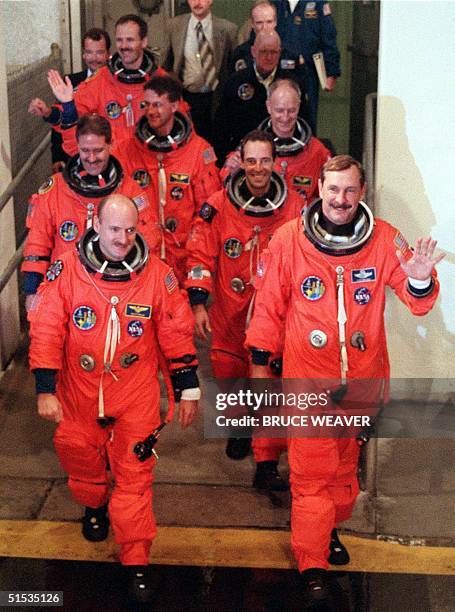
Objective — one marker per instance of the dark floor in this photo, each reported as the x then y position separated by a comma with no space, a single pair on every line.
89,587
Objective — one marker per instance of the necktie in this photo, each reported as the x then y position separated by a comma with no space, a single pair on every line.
206,57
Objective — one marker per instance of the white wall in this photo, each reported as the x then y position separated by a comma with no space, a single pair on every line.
30,26
416,168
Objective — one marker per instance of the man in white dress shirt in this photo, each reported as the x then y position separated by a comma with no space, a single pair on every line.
197,50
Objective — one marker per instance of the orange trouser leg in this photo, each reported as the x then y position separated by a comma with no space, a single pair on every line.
81,451
130,506
323,488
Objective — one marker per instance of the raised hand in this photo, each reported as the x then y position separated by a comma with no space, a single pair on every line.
62,89
423,260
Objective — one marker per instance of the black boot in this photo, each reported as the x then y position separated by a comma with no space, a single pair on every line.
238,448
316,586
267,477
140,588
338,553
95,524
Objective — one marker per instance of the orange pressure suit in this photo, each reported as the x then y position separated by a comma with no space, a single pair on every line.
64,206
75,309
301,291
112,92
179,173
298,159
226,241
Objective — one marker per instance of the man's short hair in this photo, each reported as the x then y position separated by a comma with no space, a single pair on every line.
340,163
257,136
281,82
266,3
106,200
92,123
143,28
97,34
165,84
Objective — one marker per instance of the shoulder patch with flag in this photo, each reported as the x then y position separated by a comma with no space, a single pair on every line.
171,282
400,242
209,156
141,201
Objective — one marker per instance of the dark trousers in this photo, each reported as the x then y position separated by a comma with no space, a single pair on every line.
201,113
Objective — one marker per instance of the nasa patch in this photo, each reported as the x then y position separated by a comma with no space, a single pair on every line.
142,177
233,248
84,318
68,231
312,288
177,193
245,92
54,270
362,296
240,64
135,329
113,110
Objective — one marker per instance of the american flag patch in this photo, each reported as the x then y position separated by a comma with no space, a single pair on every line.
209,156
171,282
140,201
400,242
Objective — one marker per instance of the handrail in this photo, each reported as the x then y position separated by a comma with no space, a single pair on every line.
369,145
40,149
11,266
4,199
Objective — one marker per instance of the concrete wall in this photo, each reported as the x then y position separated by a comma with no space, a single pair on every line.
31,26
415,153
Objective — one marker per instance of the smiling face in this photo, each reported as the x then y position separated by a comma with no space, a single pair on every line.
95,53
341,193
258,165
283,108
130,45
159,112
94,153
116,227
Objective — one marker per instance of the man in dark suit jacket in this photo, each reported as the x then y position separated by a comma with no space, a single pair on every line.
182,56
95,53
243,105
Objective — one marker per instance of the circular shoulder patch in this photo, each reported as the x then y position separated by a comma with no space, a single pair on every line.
113,110
177,193
46,186
142,177
84,318
362,296
312,288
245,92
68,231
233,248
135,329
54,270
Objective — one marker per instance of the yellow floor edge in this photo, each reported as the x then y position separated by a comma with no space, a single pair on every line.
255,548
